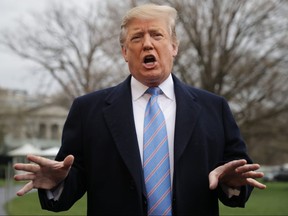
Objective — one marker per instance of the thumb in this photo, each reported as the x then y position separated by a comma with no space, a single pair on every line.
68,161
213,180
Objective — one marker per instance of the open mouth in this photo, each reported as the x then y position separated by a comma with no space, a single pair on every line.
149,59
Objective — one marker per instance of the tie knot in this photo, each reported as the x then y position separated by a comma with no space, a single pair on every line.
154,91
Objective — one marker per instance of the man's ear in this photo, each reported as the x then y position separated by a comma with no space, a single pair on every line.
124,53
175,49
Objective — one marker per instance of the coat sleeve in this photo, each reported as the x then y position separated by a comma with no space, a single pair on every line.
235,148
75,183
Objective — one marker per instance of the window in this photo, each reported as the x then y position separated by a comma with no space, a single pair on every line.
55,131
42,133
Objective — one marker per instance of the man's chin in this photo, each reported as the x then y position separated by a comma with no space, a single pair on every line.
154,80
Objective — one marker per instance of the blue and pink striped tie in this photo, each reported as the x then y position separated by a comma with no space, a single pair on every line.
156,158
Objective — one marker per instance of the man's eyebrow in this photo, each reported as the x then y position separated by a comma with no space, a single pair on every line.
139,31
136,31
153,30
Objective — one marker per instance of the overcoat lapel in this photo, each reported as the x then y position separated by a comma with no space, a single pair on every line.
187,113
119,117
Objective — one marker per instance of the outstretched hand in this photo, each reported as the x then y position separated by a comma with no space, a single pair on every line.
42,173
235,174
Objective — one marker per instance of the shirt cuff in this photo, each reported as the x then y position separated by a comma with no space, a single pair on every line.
230,191
56,192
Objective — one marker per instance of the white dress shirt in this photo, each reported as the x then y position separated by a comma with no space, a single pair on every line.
167,104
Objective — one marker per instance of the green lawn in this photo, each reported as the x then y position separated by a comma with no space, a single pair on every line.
272,201
29,205
2,182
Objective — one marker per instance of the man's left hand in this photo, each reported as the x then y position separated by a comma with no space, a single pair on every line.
235,174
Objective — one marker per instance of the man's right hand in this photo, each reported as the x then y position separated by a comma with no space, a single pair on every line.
42,173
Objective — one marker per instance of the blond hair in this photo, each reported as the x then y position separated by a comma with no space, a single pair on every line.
148,12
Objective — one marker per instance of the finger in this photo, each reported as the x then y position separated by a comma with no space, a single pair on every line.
41,161
253,174
229,166
247,168
26,167
26,188
255,183
232,165
24,177
213,180
68,161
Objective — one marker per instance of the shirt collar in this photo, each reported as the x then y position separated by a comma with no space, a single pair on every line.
138,89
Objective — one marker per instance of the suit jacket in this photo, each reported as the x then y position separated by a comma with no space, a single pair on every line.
100,133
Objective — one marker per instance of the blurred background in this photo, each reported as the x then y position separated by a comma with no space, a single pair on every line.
54,51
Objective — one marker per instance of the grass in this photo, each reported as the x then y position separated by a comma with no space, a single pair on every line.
29,205
2,182
272,201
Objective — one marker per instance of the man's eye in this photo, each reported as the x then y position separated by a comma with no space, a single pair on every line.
157,36
135,38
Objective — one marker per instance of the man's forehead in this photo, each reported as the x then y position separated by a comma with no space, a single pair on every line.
146,26
151,23
149,28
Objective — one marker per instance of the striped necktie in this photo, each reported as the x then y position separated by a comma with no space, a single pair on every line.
156,158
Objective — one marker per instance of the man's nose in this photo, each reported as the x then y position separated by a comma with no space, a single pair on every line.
147,43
